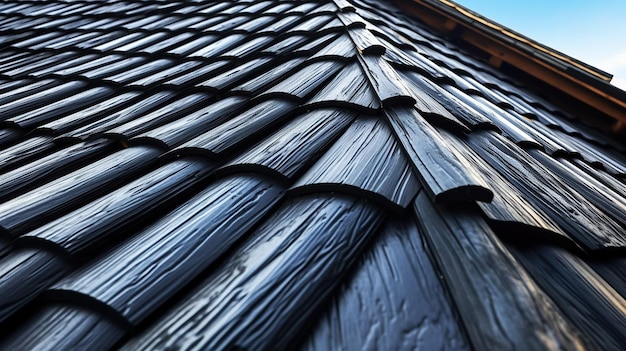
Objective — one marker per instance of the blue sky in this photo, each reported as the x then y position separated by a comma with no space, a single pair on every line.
591,31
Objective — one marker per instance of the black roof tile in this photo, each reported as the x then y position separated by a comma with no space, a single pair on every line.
286,153
579,292
24,151
432,200
443,170
481,274
60,327
240,128
319,237
44,169
143,272
145,104
25,274
349,88
587,224
103,220
28,211
306,80
383,176
387,302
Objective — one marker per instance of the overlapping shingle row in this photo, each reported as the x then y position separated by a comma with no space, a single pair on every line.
271,175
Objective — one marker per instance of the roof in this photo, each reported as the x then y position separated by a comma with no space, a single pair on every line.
580,82
276,175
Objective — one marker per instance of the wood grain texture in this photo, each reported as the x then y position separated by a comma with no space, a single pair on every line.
40,171
256,85
248,69
500,305
386,82
145,271
469,116
55,109
190,124
341,48
603,197
510,213
105,219
612,270
40,205
366,161
88,114
25,151
350,88
38,99
262,295
175,109
393,300
24,274
63,327
581,219
140,107
585,298
242,127
290,150
304,81
444,172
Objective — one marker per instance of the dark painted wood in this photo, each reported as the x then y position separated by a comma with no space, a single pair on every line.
40,205
468,115
242,127
259,83
386,82
196,75
350,88
510,213
304,81
138,108
9,136
393,300
231,77
341,48
104,220
128,77
24,274
174,109
585,298
191,124
140,275
87,115
267,290
25,151
39,99
500,305
293,148
56,109
366,161
446,175
612,270
62,327
606,199
42,170
585,222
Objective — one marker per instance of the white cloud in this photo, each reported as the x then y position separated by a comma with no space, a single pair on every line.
615,62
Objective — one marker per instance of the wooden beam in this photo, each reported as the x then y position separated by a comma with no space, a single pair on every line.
503,52
583,92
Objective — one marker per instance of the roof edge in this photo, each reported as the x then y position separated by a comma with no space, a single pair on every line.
575,78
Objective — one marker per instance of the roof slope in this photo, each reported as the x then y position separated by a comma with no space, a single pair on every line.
278,175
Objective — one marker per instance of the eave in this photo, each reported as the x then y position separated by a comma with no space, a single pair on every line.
576,79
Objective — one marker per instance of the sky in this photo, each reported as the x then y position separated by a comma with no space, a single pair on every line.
593,32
